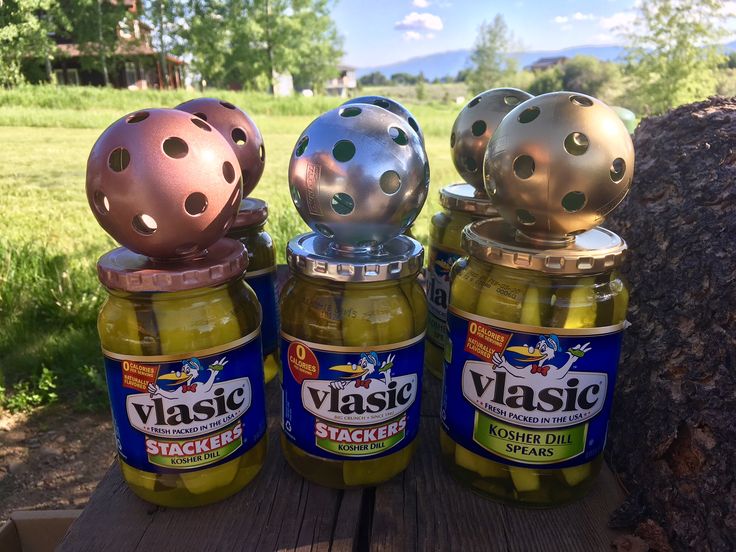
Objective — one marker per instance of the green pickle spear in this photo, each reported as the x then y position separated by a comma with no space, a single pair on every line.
365,317
120,332
184,321
501,298
372,317
540,302
464,289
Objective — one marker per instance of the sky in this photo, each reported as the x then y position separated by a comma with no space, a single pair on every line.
378,32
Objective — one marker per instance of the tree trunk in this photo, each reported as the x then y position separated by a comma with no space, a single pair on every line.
673,432
101,46
49,70
162,45
269,49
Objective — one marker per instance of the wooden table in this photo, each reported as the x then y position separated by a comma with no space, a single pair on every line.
421,509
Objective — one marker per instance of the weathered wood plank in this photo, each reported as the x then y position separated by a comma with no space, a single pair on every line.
425,509
278,511
431,395
422,509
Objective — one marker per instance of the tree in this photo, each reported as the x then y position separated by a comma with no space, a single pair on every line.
93,26
168,20
673,53
403,78
589,75
492,65
24,32
247,42
549,80
421,88
462,75
376,78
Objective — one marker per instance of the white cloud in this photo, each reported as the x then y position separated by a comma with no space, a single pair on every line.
420,22
577,16
564,20
619,21
420,3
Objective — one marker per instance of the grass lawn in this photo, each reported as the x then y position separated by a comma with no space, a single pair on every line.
49,240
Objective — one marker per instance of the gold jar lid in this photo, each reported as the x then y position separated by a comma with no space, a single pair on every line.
592,252
252,211
466,198
124,270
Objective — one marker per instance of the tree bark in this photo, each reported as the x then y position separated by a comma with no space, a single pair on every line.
673,433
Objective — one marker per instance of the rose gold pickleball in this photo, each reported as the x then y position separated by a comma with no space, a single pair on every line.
163,183
240,131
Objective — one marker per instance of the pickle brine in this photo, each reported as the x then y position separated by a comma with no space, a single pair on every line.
462,204
357,346
249,229
187,351
529,378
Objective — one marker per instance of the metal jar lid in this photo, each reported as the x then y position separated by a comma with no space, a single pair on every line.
121,269
592,252
466,198
316,256
252,212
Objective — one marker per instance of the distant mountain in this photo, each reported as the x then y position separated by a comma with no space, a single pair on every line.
449,63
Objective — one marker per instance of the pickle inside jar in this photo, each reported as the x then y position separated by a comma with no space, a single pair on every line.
571,303
356,317
189,324
373,317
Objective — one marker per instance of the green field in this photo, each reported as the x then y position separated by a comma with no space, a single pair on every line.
49,240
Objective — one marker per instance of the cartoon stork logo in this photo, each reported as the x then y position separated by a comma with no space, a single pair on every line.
536,360
178,383
367,367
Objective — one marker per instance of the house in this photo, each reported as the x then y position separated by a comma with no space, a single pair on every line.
135,64
343,83
545,63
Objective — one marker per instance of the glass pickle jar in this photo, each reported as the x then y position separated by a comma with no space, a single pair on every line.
181,344
248,228
531,358
461,205
352,346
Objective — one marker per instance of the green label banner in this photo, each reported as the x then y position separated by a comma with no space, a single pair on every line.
360,449
197,460
529,446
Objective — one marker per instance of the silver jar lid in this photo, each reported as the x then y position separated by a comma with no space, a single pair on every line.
466,198
592,252
316,256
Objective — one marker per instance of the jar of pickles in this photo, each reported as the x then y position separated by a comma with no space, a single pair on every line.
248,228
537,308
180,329
182,360
532,357
462,204
353,313
352,352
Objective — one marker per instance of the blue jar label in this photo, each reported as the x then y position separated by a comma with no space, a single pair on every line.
185,412
529,396
344,403
438,291
263,283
